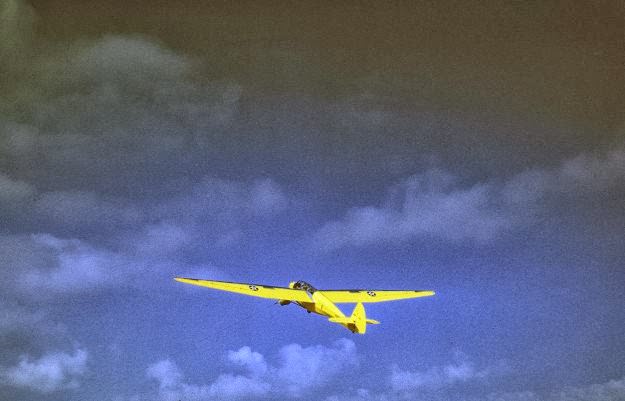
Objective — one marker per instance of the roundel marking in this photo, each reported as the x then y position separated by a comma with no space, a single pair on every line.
253,288
371,293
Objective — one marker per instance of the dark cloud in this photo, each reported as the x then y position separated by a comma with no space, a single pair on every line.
16,32
546,60
104,111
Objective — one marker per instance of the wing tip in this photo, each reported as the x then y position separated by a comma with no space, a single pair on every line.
184,279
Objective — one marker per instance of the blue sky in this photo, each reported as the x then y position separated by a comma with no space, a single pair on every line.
475,153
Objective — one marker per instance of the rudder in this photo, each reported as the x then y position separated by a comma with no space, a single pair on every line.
359,318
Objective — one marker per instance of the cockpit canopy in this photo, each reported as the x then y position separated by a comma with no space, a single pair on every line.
302,285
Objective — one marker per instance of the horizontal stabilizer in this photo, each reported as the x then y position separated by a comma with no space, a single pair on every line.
341,320
348,320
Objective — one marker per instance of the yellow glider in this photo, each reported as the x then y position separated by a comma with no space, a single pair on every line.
321,302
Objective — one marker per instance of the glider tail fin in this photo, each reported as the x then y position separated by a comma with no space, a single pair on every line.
359,318
357,322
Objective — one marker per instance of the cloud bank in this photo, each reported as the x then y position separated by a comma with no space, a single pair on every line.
52,372
299,371
436,204
613,390
461,370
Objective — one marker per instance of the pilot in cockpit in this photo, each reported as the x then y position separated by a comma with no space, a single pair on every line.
304,286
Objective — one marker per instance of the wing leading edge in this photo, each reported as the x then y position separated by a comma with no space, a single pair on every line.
255,290
354,296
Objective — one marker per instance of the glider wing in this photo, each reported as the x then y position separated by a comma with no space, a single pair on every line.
255,290
354,296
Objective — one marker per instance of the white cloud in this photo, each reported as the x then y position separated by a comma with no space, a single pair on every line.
212,212
252,361
225,201
17,317
459,371
299,370
52,372
362,394
166,373
223,206
216,211
435,204
226,386
428,204
432,386
613,390
267,197
581,174
157,240
69,208
302,368
517,396
46,266
78,266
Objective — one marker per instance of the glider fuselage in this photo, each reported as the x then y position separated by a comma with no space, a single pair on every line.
321,305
